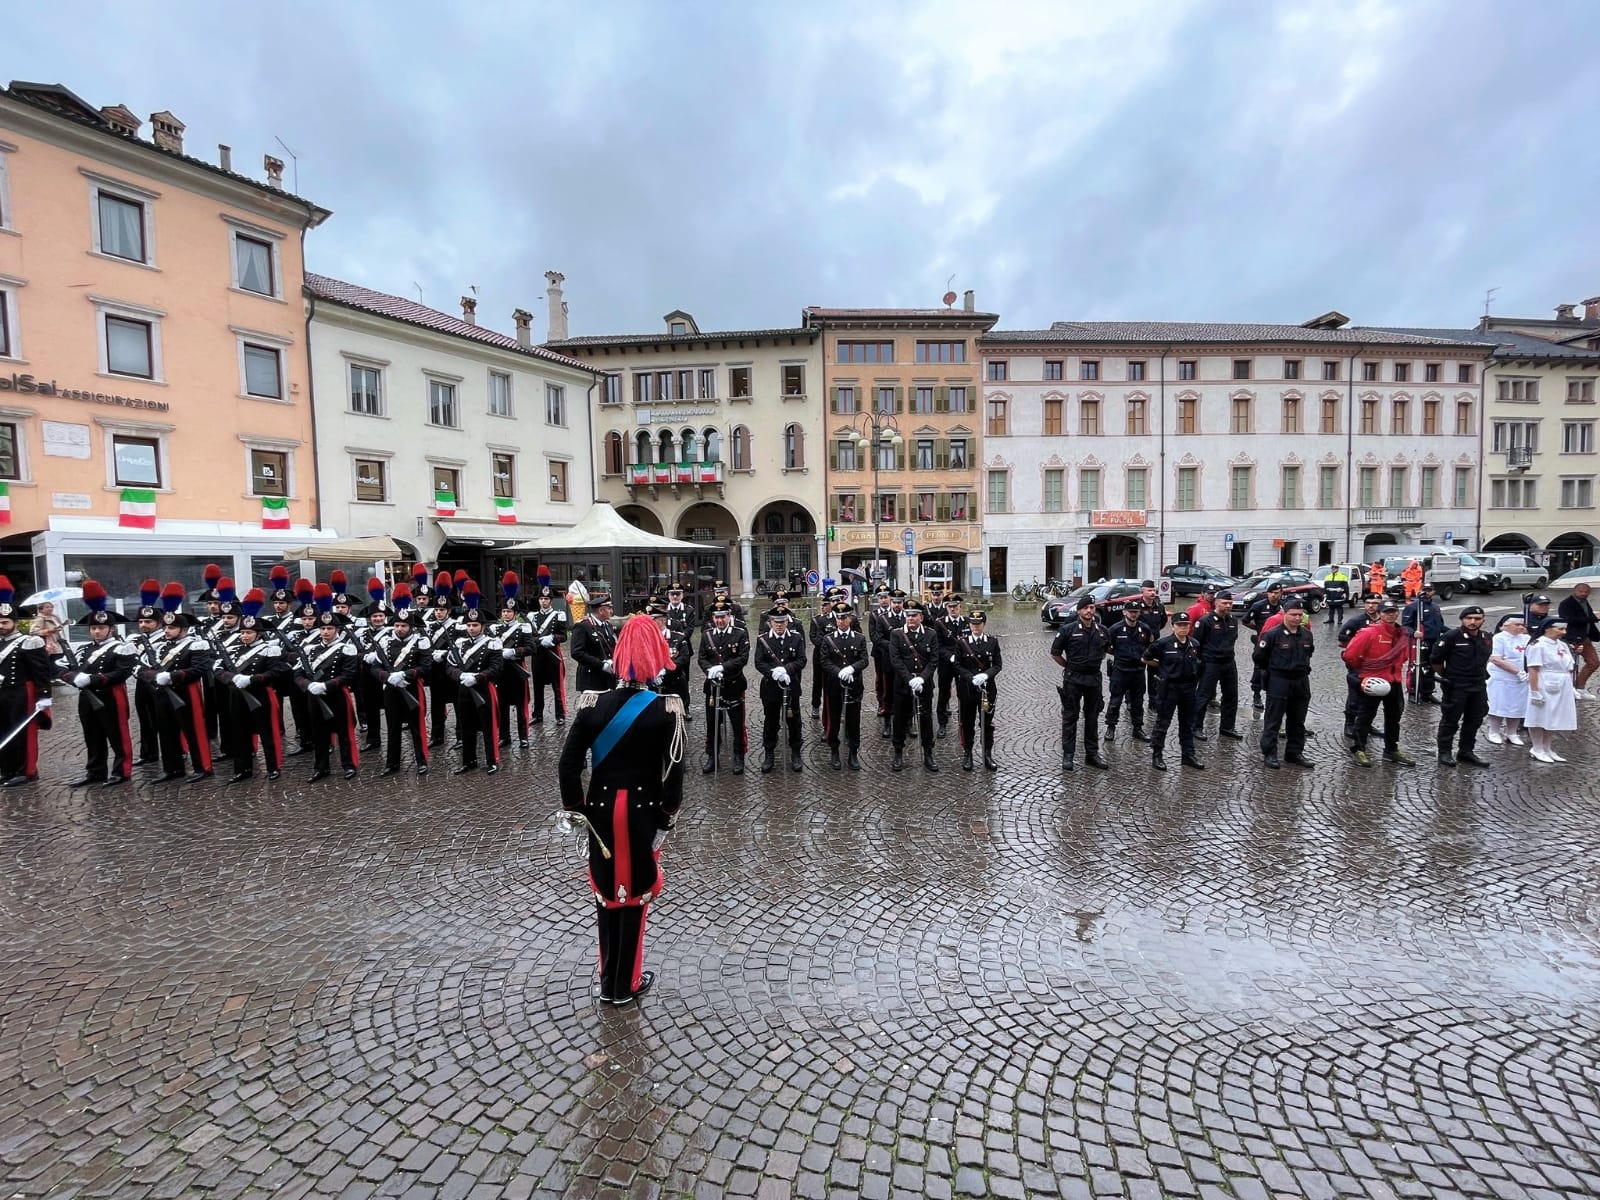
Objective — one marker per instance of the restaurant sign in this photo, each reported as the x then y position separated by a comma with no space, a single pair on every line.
1117,518
28,385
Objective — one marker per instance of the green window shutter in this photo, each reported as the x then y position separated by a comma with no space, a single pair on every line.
833,400
941,505
899,399
941,400
941,454
833,456
900,457
900,508
833,510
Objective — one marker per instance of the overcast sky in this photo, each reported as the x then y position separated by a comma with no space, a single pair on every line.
1144,159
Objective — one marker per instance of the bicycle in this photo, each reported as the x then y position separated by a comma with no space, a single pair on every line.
1028,591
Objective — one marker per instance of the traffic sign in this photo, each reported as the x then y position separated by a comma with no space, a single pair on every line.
811,578
1227,541
910,536
1449,537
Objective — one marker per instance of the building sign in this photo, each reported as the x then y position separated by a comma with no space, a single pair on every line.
1117,518
64,440
28,385
668,416
70,500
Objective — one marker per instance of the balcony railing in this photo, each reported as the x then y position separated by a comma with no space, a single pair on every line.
650,474
1390,516
1519,458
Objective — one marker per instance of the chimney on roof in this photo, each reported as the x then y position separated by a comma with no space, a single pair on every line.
558,306
1566,312
225,157
969,300
121,119
167,131
524,323
1591,309
469,310
274,168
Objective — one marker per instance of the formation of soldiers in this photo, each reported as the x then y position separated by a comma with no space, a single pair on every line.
356,677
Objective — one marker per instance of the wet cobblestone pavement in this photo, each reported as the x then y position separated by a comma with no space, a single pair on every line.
1241,983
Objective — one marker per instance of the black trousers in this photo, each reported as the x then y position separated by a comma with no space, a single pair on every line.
907,702
441,691
512,689
404,718
818,688
302,718
883,682
334,720
1185,702
621,948
477,717
144,706
1083,696
550,671
246,725
1335,613
780,705
1352,702
969,700
732,704
1463,707
20,756
369,706
947,678
105,732
841,712
1127,684
1393,705
1425,680
1220,676
183,727
1286,712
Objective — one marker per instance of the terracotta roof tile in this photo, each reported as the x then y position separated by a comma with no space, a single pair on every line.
398,308
679,339
1200,332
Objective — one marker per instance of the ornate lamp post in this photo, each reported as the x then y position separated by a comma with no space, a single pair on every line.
875,432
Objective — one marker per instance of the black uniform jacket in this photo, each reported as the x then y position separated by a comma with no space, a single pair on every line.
593,641
914,653
729,649
841,648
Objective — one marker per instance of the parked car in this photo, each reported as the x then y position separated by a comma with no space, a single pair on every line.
1108,594
1295,583
1476,576
1589,575
1190,579
1516,570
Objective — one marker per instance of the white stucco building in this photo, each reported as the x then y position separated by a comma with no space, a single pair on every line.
414,406
1116,448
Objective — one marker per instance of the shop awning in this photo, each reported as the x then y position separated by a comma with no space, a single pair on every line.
363,549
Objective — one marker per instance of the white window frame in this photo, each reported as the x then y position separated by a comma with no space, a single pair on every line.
566,459
21,418
110,430
511,402
453,382
256,233
558,393
133,194
262,340
516,472
105,306
10,288
1582,431
386,457
8,223
368,364
283,446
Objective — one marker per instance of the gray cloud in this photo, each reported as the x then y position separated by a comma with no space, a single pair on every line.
1164,160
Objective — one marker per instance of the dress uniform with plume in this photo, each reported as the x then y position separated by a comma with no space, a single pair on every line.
548,630
781,662
517,647
182,661
256,672
723,655
633,738
474,664
325,674
404,662
100,672
976,661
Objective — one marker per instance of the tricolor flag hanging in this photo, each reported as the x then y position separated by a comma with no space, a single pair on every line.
138,509
274,512
5,504
444,504
505,510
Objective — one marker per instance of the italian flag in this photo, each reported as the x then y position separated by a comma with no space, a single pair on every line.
444,504
505,510
5,504
138,509
274,512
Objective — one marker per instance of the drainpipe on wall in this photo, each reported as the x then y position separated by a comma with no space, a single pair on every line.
311,393
1350,452
1161,470
588,424
1483,421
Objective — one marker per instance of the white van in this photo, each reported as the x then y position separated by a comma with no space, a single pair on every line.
1516,570
1439,567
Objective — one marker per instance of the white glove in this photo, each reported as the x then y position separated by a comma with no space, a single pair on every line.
548,641
371,658
607,667
81,680
847,674
438,656
508,652
241,681
468,679
980,678
1522,677
318,689
916,684
1536,698
661,677
42,705
163,678
714,672
781,675
397,679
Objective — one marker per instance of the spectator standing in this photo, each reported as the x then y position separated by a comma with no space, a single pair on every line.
1582,631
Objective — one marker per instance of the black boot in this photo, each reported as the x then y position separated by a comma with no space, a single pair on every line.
853,760
833,758
888,727
1092,757
966,759
1139,735
927,762
738,764
1111,733
898,762
1158,762
708,765
989,763
1067,764
766,762
794,760
1193,763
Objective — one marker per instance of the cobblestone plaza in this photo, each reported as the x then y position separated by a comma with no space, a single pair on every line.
1235,983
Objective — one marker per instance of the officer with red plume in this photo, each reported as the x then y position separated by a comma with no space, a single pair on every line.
25,674
100,673
548,630
633,739
147,632
474,665
254,675
182,662
404,662
516,647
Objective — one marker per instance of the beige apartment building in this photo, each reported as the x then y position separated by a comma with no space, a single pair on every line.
903,430
713,437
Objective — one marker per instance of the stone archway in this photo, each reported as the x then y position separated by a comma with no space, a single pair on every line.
783,545
640,517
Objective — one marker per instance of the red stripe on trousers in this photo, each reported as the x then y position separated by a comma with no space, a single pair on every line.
422,719
561,685
493,752
30,737
197,717
350,729
119,697
275,723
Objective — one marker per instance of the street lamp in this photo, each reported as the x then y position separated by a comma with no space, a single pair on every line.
873,432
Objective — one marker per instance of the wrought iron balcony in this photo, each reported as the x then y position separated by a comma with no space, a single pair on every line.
1519,458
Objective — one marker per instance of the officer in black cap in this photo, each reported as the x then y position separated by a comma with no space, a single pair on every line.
890,616
1176,658
593,642
914,651
326,675
976,661
1131,640
781,663
182,662
1255,619
258,674
1461,660
1283,655
1079,648
100,672
475,663
723,655
843,655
